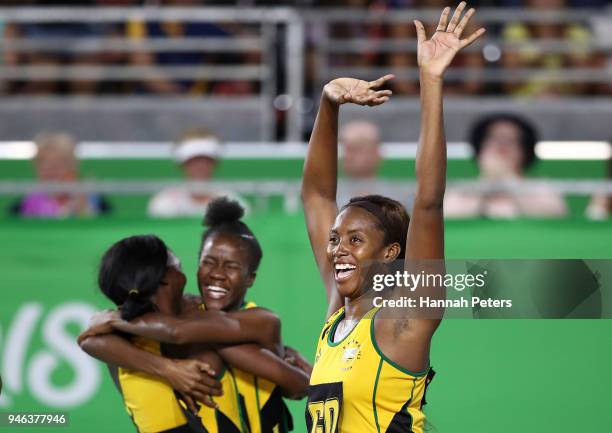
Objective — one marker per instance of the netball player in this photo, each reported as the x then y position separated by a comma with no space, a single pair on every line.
230,255
370,375
140,274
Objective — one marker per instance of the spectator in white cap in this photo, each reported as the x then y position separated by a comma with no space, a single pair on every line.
197,153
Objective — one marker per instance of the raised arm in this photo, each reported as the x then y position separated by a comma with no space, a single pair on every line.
319,183
425,238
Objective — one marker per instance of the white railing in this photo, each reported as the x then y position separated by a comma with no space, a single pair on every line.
280,35
261,190
545,150
266,21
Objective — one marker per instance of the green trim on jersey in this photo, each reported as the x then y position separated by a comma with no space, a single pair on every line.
374,395
389,361
334,326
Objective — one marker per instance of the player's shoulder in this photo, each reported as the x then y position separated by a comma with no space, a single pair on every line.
331,320
191,302
334,316
253,308
259,312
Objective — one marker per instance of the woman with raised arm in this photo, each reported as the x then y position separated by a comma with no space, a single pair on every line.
370,374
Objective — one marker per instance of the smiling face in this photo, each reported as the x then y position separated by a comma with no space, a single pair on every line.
355,244
224,274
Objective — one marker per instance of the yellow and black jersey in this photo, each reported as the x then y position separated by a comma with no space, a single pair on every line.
354,388
228,417
260,403
265,410
154,407
149,400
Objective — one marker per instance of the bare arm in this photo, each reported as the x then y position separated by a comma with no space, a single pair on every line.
206,327
255,325
319,186
261,362
425,238
191,377
319,183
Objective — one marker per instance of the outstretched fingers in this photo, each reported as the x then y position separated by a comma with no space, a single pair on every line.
373,98
379,97
455,19
379,101
381,93
420,31
443,20
381,81
464,22
470,39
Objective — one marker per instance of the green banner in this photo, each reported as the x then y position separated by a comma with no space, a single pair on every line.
493,376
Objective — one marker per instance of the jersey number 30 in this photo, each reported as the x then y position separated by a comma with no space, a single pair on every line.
324,415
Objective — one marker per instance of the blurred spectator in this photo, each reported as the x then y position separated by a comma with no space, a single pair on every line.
55,161
360,142
161,84
56,58
504,146
600,206
346,31
361,158
198,154
525,54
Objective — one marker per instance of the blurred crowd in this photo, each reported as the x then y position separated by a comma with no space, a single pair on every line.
517,48
503,147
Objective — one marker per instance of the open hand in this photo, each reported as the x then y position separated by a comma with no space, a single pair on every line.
351,90
193,379
436,54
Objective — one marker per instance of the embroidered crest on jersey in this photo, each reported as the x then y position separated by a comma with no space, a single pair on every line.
351,351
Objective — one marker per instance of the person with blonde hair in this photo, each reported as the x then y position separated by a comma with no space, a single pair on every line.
361,158
55,161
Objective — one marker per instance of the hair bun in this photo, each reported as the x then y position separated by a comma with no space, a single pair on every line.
222,210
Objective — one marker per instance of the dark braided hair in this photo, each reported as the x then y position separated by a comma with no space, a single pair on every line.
389,215
528,140
131,272
223,216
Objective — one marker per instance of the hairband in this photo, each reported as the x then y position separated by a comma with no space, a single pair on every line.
371,208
